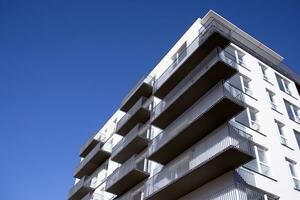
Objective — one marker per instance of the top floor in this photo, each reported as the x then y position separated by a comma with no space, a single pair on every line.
246,49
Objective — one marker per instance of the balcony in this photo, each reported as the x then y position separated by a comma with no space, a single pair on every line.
92,161
249,178
88,146
216,107
139,113
218,65
236,191
133,143
211,35
127,176
223,150
79,190
142,88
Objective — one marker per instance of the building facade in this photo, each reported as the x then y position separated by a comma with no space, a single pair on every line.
217,118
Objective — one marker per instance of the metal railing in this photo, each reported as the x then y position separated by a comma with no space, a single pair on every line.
184,120
222,138
139,130
204,32
90,155
145,79
237,191
142,102
123,170
213,57
78,185
87,143
245,176
99,147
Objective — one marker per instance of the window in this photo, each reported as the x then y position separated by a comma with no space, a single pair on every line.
237,55
294,173
246,85
260,164
240,57
283,84
271,98
293,111
283,138
253,121
264,71
180,54
297,135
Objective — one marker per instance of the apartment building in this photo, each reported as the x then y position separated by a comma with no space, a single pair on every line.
217,118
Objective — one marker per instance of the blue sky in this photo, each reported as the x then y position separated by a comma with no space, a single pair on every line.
66,65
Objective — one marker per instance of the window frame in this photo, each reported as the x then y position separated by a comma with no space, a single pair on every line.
297,137
282,134
285,84
259,163
271,96
293,169
294,109
253,123
246,81
264,69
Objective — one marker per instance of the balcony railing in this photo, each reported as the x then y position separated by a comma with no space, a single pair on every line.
204,32
216,56
135,141
91,162
198,120
189,168
143,87
235,191
126,176
80,189
141,105
88,146
247,177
